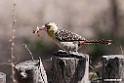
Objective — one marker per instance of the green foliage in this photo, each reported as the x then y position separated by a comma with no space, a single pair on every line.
37,46
92,77
95,74
98,75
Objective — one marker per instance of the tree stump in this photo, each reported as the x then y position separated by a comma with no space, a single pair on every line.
113,69
2,77
30,71
72,68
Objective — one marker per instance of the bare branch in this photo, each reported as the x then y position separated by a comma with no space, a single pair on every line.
121,49
29,51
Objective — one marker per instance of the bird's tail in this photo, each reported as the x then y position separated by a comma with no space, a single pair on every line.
108,42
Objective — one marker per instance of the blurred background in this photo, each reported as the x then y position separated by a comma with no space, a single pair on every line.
93,19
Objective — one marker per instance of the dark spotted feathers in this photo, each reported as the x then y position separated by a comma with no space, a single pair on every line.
63,35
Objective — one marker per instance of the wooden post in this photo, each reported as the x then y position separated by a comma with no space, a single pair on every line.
113,69
70,68
2,77
30,72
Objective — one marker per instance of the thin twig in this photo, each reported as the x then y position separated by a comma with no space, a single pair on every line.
29,51
5,63
11,60
121,49
12,45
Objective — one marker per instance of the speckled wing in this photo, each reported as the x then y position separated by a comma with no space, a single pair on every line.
67,36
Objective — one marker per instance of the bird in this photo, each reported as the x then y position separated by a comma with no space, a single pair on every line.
68,41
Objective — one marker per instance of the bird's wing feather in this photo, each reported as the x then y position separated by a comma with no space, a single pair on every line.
67,36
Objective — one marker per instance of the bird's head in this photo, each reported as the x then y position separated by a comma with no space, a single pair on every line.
49,27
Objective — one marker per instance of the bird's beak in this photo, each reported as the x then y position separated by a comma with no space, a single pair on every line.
43,28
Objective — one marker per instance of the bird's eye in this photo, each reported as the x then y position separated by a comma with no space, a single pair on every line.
48,27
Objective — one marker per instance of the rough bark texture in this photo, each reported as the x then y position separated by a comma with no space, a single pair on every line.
113,69
30,72
72,68
2,77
